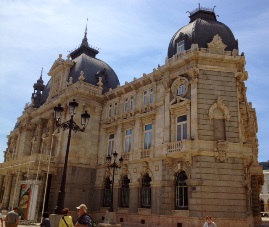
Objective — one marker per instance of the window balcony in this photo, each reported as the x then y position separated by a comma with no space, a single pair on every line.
145,153
126,156
174,147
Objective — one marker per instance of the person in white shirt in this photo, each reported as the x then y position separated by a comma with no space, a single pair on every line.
209,222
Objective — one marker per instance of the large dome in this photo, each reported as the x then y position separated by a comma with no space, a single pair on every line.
201,30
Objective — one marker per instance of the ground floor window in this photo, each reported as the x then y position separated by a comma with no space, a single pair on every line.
146,191
124,192
181,202
107,193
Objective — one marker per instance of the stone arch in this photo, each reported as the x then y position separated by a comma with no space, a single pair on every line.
174,89
146,170
125,171
219,110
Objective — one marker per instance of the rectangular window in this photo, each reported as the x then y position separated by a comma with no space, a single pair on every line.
151,96
181,89
132,103
145,98
147,136
110,144
110,111
180,46
115,108
181,196
182,127
126,106
128,140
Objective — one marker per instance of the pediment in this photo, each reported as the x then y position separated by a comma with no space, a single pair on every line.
216,46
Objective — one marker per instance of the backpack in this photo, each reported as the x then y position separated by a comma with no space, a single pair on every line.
93,222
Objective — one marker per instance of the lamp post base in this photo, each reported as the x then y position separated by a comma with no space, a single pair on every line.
110,220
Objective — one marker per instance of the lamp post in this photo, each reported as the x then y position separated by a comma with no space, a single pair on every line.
71,125
113,166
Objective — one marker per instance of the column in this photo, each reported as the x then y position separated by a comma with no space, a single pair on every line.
194,114
7,192
134,197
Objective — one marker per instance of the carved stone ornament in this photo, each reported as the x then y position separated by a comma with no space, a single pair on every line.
125,170
100,83
55,88
145,167
216,46
169,161
219,111
181,81
193,73
187,160
70,82
166,83
81,77
221,150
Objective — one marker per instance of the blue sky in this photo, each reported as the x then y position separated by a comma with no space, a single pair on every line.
133,38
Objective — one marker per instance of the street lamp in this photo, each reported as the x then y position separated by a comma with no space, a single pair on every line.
71,125
113,166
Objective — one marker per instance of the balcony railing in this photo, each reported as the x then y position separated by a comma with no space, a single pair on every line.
174,147
126,156
35,158
145,153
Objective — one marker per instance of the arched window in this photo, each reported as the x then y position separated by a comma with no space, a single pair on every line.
107,193
124,192
181,192
146,191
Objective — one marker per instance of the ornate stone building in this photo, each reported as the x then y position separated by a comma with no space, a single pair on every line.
186,132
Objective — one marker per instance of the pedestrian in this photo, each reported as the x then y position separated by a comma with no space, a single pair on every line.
46,221
12,218
66,220
84,220
209,222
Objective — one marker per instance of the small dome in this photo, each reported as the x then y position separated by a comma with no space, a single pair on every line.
201,30
92,67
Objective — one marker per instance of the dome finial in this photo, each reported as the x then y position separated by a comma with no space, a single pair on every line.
86,28
85,40
41,73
